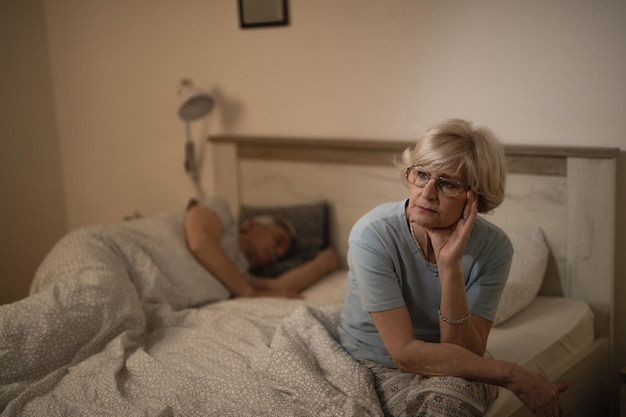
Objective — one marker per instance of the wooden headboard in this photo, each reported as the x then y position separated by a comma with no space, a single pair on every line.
569,192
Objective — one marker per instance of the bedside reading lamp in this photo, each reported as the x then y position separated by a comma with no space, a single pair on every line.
194,104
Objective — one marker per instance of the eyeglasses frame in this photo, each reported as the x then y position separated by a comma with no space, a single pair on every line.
438,182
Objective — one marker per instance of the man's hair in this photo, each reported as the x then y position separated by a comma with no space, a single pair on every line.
265,220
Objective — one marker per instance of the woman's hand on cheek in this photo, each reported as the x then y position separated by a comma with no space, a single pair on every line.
449,243
470,212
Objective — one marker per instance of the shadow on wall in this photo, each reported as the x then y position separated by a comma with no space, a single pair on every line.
230,109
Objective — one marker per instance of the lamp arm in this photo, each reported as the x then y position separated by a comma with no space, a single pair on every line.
190,157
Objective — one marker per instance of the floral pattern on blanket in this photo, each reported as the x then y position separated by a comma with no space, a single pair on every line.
121,320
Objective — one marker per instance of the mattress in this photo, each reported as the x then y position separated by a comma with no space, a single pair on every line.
547,336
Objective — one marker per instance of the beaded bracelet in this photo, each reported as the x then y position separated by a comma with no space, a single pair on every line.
454,322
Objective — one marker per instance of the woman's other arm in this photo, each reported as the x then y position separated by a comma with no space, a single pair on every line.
431,359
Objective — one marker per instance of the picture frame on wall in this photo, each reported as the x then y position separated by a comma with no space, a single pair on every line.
262,13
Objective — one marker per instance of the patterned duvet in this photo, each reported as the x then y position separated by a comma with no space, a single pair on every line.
122,321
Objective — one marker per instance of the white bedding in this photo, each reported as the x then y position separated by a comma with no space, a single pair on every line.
121,321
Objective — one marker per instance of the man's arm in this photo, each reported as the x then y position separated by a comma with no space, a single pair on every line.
303,276
203,231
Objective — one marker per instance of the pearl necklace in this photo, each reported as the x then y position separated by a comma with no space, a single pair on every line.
431,266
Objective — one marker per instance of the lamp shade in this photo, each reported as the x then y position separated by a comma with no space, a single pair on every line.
194,102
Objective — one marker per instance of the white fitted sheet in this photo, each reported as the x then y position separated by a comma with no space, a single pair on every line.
544,334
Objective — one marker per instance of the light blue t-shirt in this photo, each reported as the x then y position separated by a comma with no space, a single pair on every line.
387,271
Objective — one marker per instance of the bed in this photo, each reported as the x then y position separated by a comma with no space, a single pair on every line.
121,321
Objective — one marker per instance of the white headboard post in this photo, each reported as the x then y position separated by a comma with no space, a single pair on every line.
226,174
591,235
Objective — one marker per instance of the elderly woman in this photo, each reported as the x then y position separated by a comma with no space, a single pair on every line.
425,277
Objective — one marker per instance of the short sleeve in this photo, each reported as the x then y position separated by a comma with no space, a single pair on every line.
373,269
488,274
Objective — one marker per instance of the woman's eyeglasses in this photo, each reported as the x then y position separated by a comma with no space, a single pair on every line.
445,186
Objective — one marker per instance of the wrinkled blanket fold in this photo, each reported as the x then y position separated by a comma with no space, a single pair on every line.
122,320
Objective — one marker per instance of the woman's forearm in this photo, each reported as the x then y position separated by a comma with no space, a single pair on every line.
535,390
456,325
434,359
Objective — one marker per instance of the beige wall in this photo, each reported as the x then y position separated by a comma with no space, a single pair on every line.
535,71
32,212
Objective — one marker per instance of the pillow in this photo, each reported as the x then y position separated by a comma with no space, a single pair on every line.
528,266
311,225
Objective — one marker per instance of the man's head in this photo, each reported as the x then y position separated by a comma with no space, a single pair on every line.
264,240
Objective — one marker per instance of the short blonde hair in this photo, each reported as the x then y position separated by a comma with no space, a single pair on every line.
476,152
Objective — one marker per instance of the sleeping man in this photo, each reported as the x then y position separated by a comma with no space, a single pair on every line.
228,251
